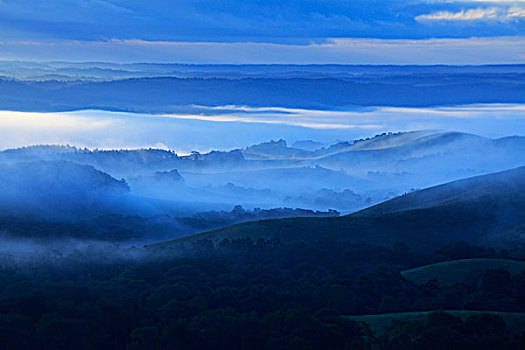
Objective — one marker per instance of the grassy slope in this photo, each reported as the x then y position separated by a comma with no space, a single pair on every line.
468,271
502,185
421,228
474,210
515,321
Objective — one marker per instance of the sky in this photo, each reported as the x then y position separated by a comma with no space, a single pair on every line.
265,31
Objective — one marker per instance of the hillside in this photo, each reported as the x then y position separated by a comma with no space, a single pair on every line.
59,178
50,182
515,321
467,271
478,210
57,189
507,184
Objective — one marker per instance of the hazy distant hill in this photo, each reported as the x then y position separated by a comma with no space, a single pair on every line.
167,93
105,71
57,189
345,176
57,198
275,150
56,178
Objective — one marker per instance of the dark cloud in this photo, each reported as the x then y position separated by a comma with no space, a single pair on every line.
278,21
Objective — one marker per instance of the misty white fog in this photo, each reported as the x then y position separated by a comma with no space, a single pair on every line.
210,128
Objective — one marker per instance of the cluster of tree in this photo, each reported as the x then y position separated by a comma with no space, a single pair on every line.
326,198
221,218
117,227
444,331
242,294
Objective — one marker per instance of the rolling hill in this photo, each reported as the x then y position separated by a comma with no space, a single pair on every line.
515,321
479,210
56,189
506,186
467,271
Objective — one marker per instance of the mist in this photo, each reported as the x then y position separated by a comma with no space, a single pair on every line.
207,129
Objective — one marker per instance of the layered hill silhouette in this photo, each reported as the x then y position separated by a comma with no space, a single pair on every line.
272,174
161,94
487,209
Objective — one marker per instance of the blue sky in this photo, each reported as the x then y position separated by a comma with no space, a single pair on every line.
264,31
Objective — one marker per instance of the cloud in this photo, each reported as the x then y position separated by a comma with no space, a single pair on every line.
477,14
496,1
271,21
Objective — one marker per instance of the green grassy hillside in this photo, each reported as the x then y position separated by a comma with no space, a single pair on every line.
418,228
478,210
468,271
515,321
507,185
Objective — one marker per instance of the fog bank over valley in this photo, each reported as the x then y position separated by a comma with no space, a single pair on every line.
205,129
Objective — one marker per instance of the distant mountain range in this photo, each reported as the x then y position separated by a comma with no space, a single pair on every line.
171,88
105,71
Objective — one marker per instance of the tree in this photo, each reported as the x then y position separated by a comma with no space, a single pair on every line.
497,282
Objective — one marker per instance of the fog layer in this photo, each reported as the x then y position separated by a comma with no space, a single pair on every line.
205,129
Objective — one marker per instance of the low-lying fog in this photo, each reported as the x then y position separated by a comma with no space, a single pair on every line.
219,128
